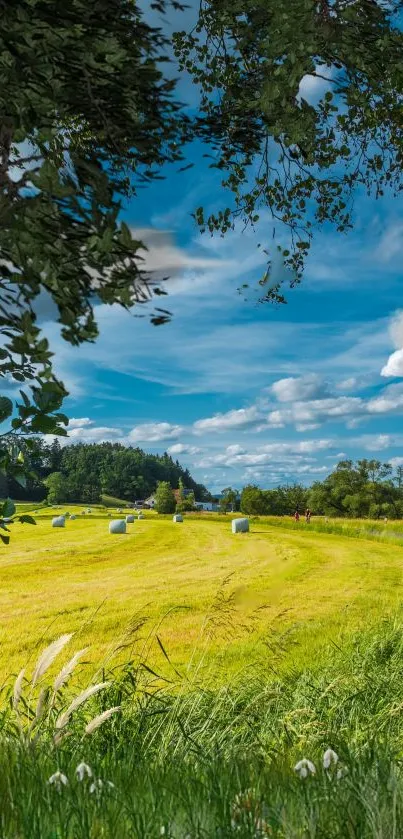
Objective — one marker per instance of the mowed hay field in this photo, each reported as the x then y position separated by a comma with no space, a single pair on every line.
233,599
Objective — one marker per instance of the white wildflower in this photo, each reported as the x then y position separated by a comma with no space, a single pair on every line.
330,758
97,785
304,768
58,780
341,773
82,771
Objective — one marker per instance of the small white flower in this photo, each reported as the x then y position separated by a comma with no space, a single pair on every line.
304,768
82,771
98,785
330,758
58,780
341,773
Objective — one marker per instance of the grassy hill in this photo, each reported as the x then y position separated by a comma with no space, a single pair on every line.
292,590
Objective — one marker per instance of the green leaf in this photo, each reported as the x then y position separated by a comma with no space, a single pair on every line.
26,519
6,408
8,508
20,477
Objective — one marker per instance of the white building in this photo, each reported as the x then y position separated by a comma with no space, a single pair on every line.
209,506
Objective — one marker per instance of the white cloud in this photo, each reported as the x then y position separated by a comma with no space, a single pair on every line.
378,443
389,401
154,432
394,364
317,411
391,243
312,88
241,418
291,453
181,448
94,434
234,450
81,422
304,387
163,258
352,383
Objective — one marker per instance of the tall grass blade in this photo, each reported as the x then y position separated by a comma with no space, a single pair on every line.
82,697
67,670
18,689
48,656
101,718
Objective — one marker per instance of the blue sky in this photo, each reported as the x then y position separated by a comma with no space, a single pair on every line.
241,392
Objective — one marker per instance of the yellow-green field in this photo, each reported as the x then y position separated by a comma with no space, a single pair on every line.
294,589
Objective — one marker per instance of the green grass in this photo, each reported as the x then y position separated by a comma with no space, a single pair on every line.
112,501
293,587
230,658
186,761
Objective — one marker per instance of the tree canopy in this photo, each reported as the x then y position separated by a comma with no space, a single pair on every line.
300,161
366,489
86,117
165,501
85,471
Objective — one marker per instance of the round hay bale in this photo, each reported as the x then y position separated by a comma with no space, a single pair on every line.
129,519
140,516
240,525
177,518
58,521
117,526
73,518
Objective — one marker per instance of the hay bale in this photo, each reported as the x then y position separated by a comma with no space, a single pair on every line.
117,526
129,519
240,525
73,518
58,521
89,510
177,518
140,516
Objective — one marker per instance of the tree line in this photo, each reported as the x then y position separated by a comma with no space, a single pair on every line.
362,489
83,472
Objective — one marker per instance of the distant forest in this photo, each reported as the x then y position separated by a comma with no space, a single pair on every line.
367,488
84,472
